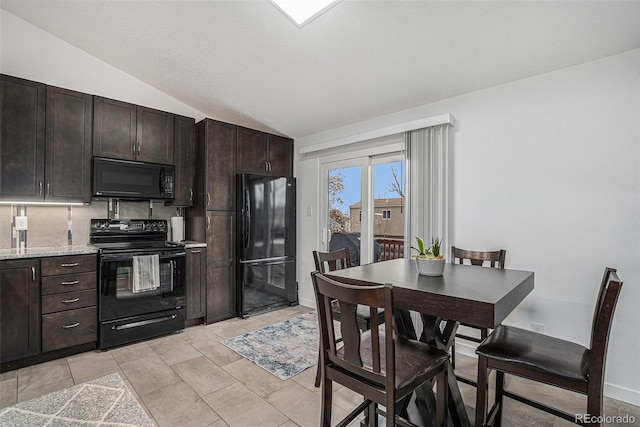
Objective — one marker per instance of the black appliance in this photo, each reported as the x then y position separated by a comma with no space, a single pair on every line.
266,243
125,179
126,312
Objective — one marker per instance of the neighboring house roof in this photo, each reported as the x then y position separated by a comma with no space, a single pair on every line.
381,203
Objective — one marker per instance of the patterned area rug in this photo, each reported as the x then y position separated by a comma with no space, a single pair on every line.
105,402
285,349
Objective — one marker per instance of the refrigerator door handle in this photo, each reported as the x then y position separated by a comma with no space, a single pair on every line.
247,219
268,261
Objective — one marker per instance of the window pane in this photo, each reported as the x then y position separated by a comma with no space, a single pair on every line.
344,216
389,209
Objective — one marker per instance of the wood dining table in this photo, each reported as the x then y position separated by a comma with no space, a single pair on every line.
471,295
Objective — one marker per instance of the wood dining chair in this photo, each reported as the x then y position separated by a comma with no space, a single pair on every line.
382,367
337,260
549,360
493,259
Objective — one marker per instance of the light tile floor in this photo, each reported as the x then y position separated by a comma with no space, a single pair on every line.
191,379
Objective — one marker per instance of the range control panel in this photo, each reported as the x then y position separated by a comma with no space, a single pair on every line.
127,226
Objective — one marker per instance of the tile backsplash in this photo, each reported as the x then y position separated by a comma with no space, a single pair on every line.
68,225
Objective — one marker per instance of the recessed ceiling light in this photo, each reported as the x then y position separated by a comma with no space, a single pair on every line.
301,12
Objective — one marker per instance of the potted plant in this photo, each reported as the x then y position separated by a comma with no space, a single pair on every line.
429,260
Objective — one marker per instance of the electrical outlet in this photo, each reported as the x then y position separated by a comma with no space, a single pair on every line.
537,327
21,223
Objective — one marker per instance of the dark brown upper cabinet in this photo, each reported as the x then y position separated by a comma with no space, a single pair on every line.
130,132
155,136
22,120
264,154
184,155
220,187
280,156
68,145
46,152
114,129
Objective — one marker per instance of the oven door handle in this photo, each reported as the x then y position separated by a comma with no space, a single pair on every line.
129,257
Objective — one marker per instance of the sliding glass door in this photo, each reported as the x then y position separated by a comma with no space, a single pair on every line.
363,206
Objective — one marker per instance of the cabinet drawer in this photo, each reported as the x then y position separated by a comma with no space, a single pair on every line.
69,282
68,264
68,301
69,328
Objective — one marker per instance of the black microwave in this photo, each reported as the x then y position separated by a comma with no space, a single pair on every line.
125,179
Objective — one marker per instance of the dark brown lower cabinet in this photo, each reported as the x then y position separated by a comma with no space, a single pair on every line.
69,297
221,284
69,328
19,309
196,283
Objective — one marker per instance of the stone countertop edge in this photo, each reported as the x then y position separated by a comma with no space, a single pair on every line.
190,244
39,252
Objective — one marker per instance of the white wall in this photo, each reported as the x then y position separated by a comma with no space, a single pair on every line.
31,53
549,169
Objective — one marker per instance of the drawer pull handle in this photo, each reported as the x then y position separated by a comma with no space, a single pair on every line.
196,252
72,264
74,325
70,301
73,282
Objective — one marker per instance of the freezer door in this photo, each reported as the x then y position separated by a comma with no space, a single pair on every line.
266,285
267,217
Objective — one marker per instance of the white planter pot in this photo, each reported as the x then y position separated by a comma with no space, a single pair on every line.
430,267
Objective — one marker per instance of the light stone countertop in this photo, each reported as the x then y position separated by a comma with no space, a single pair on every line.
15,253
189,244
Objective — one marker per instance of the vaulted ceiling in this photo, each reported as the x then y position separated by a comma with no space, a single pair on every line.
244,62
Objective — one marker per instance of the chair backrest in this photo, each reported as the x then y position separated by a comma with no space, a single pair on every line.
391,249
495,258
364,363
602,319
331,261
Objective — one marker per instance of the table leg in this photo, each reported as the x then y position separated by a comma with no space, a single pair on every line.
443,338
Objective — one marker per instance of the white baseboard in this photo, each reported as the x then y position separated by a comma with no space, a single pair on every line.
311,303
610,390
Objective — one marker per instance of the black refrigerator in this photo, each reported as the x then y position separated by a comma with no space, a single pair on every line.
266,243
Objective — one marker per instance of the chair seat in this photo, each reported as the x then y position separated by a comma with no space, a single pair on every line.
414,359
537,352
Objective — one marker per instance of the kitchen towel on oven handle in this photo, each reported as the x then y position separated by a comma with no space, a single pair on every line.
146,273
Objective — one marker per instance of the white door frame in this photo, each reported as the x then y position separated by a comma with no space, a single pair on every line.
365,159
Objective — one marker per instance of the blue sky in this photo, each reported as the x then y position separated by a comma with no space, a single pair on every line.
382,178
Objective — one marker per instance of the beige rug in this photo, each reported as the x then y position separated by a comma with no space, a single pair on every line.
104,402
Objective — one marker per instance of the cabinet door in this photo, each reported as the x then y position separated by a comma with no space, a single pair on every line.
196,283
114,129
22,120
19,309
68,145
184,152
252,151
221,287
221,165
155,136
280,156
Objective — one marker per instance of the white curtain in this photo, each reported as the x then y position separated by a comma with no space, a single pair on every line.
429,186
